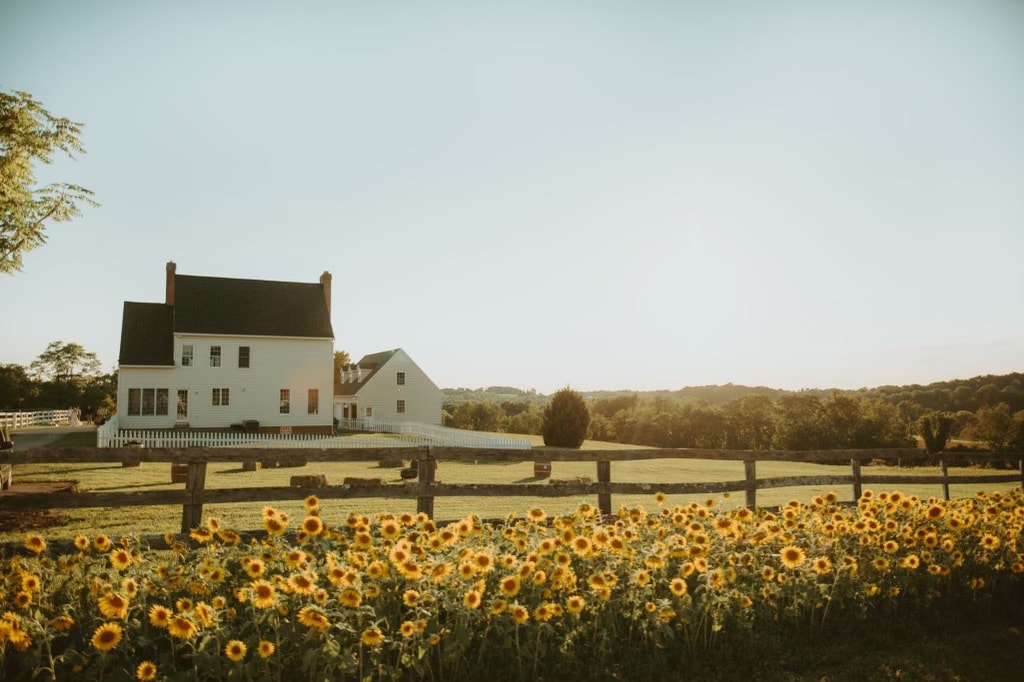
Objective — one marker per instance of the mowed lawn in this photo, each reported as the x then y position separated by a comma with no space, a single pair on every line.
157,520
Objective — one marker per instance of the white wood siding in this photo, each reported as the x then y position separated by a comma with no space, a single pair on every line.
254,392
382,392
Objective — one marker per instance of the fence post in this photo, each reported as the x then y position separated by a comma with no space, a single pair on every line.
604,500
855,473
192,512
425,467
750,473
944,472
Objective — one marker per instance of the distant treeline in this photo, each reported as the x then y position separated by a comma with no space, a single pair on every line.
987,409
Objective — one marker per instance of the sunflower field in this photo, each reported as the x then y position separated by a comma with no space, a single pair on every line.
649,593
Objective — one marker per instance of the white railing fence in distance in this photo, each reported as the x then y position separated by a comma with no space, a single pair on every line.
384,435
17,420
439,435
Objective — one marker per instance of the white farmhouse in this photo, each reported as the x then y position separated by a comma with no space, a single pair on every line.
222,353
388,387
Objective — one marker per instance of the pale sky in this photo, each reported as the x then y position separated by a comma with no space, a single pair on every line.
606,195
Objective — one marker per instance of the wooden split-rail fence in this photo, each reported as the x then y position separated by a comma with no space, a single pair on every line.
425,489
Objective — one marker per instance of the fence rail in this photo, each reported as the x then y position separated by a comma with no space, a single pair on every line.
426,489
17,420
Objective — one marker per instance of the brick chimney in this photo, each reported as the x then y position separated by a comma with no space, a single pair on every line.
325,283
171,270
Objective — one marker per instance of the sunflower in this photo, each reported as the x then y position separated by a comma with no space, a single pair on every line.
484,562
235,650
510,585
23,600
30,582
472,599
312,617
62,623
106,636
130,587
201,535
35,543
677,587
350,597
792,556
407,629
296,558
371,637
181,627
160,616
265,649
113,605
274,525
582,546
102,543
989,542
410,570
575,604
312,525
81,543
264,595
390,529
312,503
520,613
410,597
145,671
822,565
254,567
302,583
537,515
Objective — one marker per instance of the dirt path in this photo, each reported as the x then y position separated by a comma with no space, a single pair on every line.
45,436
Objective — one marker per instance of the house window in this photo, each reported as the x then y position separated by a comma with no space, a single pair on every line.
148,401
243,356
286,401
401,378
182,405
214,356
134,402
313,401
187,355
369,411
400,407
221,396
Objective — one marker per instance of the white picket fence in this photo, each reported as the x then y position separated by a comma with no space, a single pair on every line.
17,420
404,434
438,434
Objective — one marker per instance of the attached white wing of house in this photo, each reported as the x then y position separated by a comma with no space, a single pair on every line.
389,387
229,353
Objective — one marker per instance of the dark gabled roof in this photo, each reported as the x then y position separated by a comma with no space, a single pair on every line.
146,334
218,305
369,364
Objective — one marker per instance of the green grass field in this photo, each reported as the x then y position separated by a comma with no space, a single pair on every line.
149,476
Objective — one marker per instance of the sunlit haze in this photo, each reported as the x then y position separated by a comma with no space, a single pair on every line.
606,195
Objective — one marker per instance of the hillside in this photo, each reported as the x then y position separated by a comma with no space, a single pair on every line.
952,395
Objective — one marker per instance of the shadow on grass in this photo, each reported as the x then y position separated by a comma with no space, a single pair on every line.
129,488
